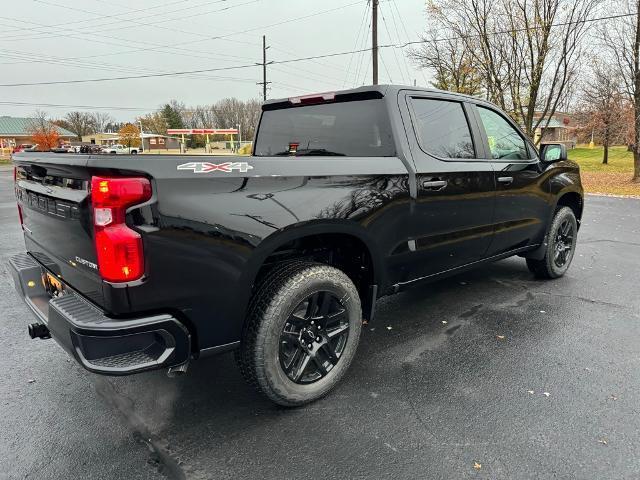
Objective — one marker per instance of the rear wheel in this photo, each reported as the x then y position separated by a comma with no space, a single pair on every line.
302,332
561,245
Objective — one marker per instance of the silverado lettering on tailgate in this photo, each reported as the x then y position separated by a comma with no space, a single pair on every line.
48,205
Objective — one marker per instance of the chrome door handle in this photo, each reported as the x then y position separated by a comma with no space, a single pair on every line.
505,180
434,184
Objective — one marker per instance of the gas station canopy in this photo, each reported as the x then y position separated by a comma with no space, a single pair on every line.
202,131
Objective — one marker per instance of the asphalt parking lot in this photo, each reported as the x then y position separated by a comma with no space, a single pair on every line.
490,374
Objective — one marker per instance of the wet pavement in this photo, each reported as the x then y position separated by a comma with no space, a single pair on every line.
490,374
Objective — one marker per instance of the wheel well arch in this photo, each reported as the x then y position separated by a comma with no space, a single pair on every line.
574,201
339,244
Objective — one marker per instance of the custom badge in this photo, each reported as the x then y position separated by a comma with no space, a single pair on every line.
206,167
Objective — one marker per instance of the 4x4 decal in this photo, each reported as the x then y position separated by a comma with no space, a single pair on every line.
206,167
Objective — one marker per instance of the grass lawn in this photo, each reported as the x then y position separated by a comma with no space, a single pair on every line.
613,178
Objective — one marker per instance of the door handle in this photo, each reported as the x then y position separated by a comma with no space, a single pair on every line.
505,180
434,184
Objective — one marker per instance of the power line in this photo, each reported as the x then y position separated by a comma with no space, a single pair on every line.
363,22
395,55
128,77
98,17
87,107
397,30
363,48
223,37
301,59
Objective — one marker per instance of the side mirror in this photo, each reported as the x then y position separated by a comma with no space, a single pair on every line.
553,152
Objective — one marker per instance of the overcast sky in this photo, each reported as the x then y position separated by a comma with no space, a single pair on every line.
62,40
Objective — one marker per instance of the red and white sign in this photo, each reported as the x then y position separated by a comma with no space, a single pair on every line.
202,131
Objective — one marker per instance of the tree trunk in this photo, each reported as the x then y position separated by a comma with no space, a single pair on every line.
636,96
605,158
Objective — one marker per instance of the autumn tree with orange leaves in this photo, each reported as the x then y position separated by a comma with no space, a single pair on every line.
129,135
44,133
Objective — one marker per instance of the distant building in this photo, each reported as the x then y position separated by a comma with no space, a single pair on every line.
101,139
17,130
151,141
562,128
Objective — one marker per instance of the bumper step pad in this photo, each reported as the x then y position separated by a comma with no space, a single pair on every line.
112,346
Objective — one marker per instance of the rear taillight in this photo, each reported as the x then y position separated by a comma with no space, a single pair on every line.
119,248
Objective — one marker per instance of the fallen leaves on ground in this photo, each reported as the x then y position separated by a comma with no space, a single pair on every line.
389,328
603,441
546,394
500,337
477,465
610,183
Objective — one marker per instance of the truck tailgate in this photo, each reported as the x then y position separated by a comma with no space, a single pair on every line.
55,206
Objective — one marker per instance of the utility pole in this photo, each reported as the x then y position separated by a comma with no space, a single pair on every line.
141,136
374,39
264,64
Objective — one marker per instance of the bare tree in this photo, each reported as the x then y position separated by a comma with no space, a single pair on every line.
451,61
605,106
527,51
231,112
100,121
622,41
79,123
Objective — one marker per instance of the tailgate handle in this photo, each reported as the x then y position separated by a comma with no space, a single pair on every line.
434,184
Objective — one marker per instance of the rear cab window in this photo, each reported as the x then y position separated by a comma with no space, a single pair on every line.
353,128
442,129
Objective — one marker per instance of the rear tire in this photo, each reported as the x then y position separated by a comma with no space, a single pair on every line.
561,245
301,333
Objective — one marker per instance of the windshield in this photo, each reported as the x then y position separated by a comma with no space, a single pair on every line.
352,129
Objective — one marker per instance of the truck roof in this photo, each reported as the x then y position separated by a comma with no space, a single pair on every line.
386,89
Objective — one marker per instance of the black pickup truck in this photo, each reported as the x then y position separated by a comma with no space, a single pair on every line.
135,263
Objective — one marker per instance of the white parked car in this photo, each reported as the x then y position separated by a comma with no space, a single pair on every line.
120,150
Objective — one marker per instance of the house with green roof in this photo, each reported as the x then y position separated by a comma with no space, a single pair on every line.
17,130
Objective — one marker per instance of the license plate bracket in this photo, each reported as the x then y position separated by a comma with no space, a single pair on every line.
52,285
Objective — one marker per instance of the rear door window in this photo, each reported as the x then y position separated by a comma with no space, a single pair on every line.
350,129
442,128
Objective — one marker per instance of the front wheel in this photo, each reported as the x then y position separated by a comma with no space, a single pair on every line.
561,245
301,333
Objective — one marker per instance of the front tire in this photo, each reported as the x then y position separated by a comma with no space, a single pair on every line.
561,246
301,333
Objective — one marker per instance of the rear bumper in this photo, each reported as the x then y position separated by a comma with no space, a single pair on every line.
99,343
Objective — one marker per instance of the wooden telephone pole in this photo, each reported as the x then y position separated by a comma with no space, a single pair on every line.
264,64
374,39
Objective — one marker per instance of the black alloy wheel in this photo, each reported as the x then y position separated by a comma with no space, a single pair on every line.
313,338
559,248
563,243
302,332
